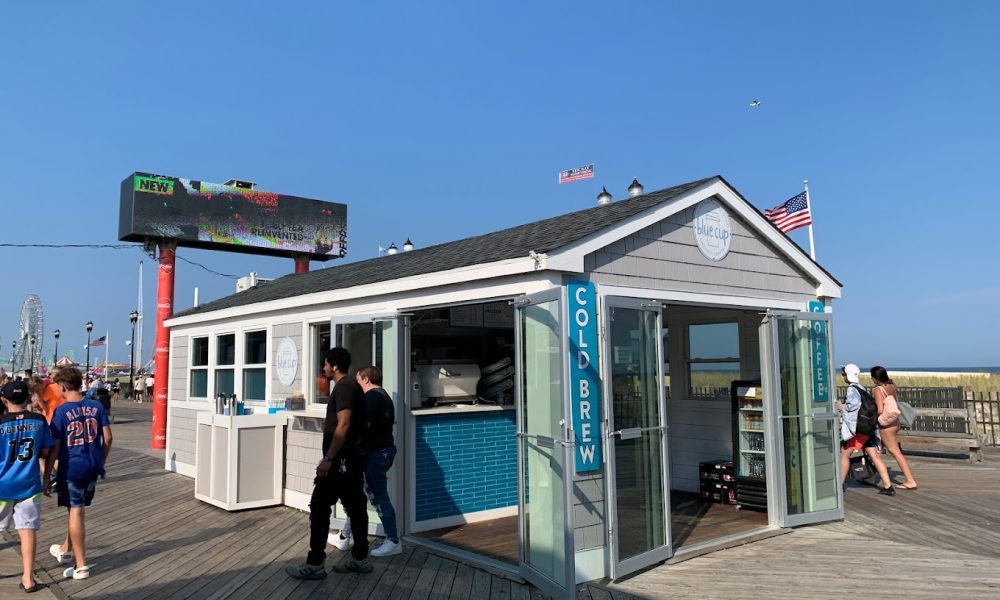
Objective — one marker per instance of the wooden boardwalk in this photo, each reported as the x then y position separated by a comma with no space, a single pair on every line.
149,538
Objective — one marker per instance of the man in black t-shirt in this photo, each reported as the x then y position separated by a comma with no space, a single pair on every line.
340,472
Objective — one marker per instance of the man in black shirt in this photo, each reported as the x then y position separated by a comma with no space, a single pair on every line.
339,474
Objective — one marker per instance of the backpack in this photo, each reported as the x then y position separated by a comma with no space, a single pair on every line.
867,414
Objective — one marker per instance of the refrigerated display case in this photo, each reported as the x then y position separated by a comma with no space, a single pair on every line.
749,447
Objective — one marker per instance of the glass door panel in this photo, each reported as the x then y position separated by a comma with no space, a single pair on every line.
638,480
546,534
808,435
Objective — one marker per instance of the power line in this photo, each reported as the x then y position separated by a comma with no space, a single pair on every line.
117,247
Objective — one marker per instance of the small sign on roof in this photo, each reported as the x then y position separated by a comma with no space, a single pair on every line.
570,175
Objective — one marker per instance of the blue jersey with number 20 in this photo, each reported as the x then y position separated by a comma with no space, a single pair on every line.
79,426
23,437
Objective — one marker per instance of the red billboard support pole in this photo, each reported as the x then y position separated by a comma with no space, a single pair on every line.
164,310
301,263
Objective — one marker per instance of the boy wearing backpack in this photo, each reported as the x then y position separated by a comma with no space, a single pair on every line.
858,424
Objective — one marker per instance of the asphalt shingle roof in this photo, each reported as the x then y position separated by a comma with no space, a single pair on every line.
515,242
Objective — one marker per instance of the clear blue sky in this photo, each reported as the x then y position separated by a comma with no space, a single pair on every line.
437,121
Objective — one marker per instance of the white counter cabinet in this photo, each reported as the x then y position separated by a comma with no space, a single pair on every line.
239,460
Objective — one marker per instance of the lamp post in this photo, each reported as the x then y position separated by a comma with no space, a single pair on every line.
13,351
55,355
133,317
90,327
31,353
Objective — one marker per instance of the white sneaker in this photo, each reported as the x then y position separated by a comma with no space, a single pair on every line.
388,548
343,543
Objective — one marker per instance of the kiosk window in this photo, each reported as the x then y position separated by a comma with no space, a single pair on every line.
319,335
254,369
713,358
199,367
225,356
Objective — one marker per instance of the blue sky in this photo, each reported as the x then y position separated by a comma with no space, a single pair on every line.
437,121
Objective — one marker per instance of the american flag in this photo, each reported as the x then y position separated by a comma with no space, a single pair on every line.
99,341
584,172
792,214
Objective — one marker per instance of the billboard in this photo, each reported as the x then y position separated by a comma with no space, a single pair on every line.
214,216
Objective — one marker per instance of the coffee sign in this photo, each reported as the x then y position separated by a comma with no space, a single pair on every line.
286,361
712,230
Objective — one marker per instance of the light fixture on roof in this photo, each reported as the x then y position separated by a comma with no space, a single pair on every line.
635,189
392,249
243,185
408,245
604,197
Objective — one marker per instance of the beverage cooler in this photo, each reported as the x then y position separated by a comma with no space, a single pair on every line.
749,447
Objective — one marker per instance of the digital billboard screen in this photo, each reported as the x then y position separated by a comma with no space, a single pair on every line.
214,216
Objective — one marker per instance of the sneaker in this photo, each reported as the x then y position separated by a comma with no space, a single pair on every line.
353,565
77,573
343,543
388,548
306,571
889,491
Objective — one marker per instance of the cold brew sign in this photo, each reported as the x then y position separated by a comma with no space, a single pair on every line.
584,380
712,230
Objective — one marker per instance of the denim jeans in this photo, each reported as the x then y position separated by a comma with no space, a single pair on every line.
376,486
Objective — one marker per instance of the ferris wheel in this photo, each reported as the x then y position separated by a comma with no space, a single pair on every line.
30,334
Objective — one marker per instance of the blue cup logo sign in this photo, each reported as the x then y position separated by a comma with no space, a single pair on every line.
286,361
584,380
712,230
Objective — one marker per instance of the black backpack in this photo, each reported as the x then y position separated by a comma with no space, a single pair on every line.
867,414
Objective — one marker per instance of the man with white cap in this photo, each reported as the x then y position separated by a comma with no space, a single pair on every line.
848,431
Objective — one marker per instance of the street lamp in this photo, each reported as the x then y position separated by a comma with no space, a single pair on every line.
13,350
132,317
55,355
90,327
31,353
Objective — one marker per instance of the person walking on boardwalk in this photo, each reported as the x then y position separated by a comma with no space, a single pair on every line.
381,453
82,435
24,441
885,398
340,472
856,441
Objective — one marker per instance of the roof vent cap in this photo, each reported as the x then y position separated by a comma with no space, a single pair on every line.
604,197
392,249
408,245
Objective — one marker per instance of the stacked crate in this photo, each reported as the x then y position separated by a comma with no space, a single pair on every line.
718,481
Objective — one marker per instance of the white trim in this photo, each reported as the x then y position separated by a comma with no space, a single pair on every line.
192,404
296,499
486,271
590,565
473,517
701,299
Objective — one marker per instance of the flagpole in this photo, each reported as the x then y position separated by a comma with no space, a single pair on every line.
107,352
812,243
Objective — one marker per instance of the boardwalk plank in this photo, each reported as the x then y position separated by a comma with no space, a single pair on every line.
408,577
445,577
481,584
461,587
499,588
425,579
519,591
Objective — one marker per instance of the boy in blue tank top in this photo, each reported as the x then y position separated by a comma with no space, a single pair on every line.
82,435
24,440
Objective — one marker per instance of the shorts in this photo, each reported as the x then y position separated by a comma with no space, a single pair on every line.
27,514
76,494
856,443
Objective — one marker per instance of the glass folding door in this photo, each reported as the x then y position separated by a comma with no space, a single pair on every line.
637,479
799,392
544,446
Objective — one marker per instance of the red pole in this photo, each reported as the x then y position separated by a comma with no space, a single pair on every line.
164,310
301,263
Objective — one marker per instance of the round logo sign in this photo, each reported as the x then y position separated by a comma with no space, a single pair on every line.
712,229
286,361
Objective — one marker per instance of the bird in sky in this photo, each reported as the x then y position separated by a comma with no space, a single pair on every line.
755,104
